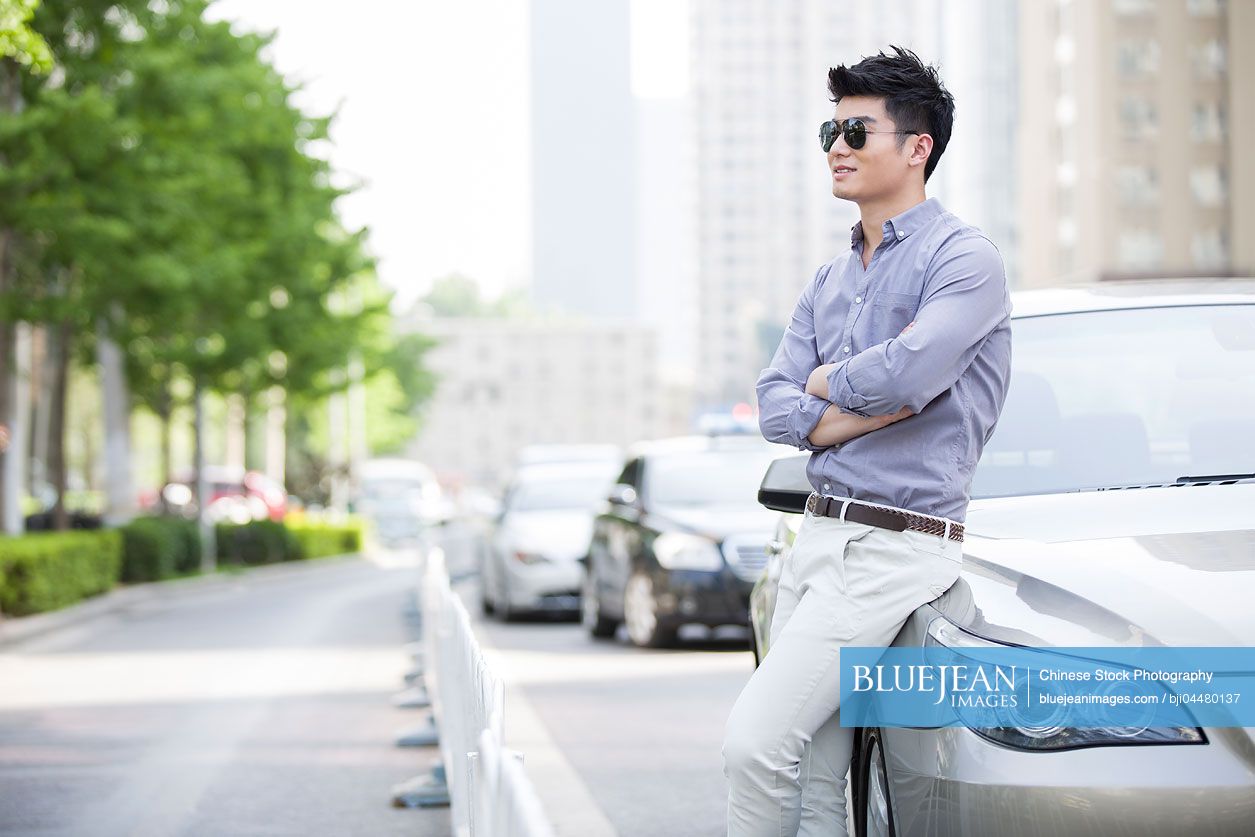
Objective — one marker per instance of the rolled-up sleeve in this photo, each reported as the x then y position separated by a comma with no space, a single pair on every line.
965,298
786,412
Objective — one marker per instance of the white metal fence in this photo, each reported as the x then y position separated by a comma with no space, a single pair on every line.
490,796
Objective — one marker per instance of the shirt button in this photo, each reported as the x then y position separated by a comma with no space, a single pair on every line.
858,299
901,234
827,487
846,349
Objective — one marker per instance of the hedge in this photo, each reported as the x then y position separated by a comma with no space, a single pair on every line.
257,542
319,540
48,570
269,542
156,548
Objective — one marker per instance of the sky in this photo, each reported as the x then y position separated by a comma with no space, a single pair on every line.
432,101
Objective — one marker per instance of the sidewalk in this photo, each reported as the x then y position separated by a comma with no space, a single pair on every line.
16,629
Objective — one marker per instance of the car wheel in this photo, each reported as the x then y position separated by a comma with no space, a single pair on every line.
485,603
505,612
876,817
590,611
640,612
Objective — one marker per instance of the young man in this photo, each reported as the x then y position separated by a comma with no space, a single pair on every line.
893,372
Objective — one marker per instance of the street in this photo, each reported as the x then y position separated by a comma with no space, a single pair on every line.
260,705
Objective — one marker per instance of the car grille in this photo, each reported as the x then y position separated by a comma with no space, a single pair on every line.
746,555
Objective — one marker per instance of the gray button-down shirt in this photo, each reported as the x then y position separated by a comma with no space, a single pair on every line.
952,368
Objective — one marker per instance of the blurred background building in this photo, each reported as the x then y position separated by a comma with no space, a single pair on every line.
504,384
583,158
1131,158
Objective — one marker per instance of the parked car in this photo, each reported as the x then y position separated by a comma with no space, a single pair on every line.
235,496
1113,506
530,561
680,539
401,498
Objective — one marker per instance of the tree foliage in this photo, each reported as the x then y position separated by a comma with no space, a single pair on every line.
18,41
162,185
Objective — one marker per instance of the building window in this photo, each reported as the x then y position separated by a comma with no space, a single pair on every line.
1139,118
1065,174
1208,122
1140,249
1137,58
1208,59
1209,249
1137,185
1065,110
1204,8
1067,232
1208,185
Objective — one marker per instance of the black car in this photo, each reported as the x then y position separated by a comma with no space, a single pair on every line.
681,539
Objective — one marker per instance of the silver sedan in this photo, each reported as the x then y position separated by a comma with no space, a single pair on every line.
1113,506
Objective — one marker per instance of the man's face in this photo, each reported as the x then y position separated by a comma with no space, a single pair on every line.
878,169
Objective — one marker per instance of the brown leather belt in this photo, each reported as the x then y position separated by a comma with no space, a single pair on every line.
894,519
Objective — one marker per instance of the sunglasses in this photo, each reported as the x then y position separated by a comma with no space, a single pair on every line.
854,131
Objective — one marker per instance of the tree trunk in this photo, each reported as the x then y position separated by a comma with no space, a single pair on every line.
11,453
18,389
116,405
165,411
61,337
276,438
208,546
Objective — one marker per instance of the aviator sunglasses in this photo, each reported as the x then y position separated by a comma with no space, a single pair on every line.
854,130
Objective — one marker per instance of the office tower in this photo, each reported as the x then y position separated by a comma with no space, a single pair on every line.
582,158
1131,160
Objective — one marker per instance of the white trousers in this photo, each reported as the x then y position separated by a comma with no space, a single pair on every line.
784,752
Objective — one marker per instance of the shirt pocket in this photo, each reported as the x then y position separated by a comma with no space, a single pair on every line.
893,312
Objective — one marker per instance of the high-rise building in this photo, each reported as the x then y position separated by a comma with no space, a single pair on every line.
766,217
583,158
1131,159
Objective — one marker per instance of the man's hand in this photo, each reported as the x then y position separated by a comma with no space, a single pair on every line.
836,427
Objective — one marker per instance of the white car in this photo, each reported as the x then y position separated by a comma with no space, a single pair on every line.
531,560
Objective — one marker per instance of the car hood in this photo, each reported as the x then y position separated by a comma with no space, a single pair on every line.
716,522
1172,566
555,534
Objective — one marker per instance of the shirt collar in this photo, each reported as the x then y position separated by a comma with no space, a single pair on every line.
905,224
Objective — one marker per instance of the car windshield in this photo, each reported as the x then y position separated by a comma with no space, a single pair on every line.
707,478
1110,399
573,491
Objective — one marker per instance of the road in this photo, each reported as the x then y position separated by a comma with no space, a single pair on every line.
261,706
641,730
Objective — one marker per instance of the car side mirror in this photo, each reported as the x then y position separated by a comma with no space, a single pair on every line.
785,486
623,495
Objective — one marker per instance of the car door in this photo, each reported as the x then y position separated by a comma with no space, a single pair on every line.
614,533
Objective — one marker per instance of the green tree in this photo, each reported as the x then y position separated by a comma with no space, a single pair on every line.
18,41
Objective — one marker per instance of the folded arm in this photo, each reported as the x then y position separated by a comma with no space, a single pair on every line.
787,413
964,301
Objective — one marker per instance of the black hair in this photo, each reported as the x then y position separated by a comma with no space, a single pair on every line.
913,93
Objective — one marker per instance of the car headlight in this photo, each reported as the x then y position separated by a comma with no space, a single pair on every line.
678,551
529,558
1038,731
